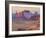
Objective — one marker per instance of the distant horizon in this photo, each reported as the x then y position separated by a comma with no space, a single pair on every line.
30,12
20,9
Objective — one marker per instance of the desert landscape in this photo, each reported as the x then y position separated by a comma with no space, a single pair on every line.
29,21
26,25
25,18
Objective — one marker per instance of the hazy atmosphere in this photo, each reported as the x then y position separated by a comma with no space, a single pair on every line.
25,18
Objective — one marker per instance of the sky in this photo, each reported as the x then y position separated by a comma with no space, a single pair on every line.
20,9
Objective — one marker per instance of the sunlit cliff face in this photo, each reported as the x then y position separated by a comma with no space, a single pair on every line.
25,15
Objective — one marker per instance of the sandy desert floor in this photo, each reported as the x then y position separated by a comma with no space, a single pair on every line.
25,25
